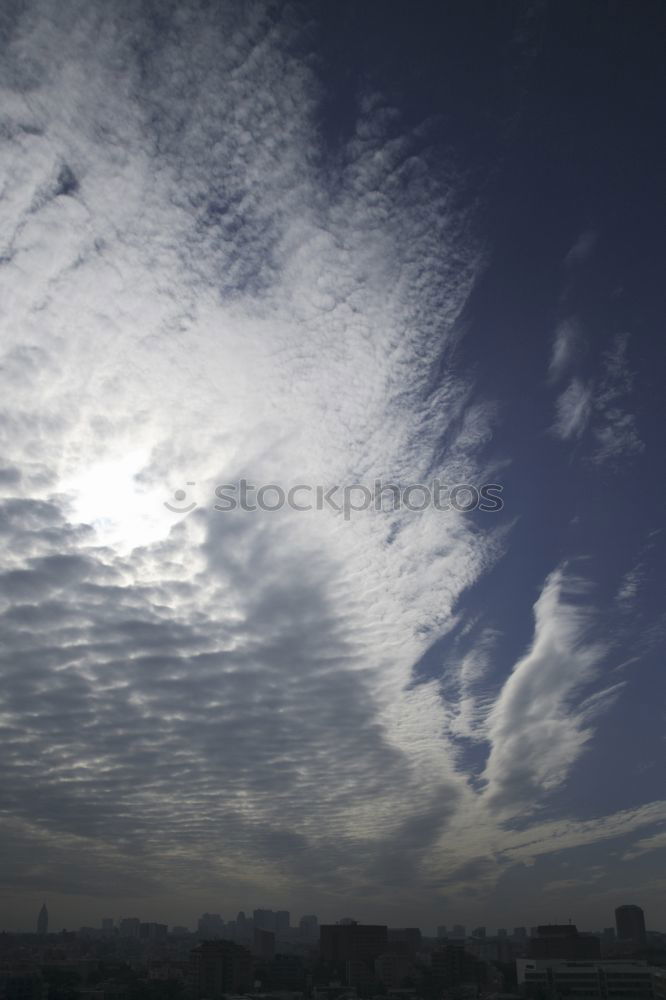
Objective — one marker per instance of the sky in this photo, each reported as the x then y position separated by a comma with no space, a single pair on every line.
329,244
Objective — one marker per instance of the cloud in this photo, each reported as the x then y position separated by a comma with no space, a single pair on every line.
565,343
598,405
628,590
526,843
568,885
468,697
192,297
616,429
582,249
645,845
194,290
573,410
536,730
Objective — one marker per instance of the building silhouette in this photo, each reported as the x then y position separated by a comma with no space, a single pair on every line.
129,927
263,943
43,920
551,977
152,931
22,984
607,940
452,966
211,926
353,948
265,919
309,926
393,969
221,967
630,924
562,941
404,940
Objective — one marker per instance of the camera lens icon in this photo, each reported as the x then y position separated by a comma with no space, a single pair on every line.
179,496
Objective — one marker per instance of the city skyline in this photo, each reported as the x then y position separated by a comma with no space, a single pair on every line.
346,960
303,923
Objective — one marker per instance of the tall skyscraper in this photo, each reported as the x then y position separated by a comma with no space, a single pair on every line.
43,920
630,924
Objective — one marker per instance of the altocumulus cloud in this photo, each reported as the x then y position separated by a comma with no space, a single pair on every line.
193,294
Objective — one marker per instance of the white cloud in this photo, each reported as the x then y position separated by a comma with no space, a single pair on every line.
565,344
657,842
616,428
598,405
582,249
573,410
201,303
628,589
191,296
468,697
536,730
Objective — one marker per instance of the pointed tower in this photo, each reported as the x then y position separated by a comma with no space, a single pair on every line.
43,920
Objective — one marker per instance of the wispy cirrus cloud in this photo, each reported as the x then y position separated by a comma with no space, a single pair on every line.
616,429
628,590
656,842
573,407
597,406
582,249
565,346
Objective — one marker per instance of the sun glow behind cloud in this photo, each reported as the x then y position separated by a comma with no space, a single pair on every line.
109,496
